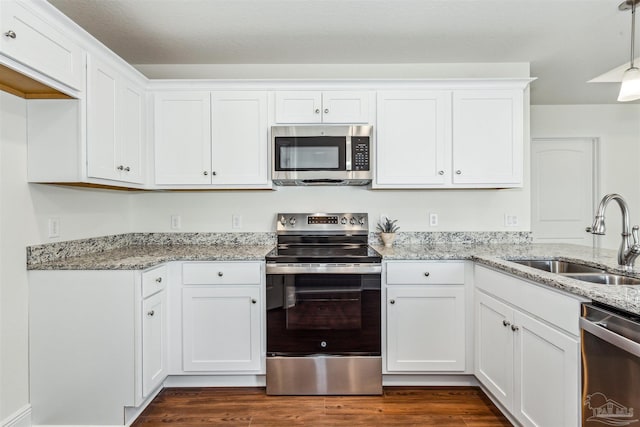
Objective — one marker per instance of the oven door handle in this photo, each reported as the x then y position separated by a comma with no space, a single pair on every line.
600,331
323,268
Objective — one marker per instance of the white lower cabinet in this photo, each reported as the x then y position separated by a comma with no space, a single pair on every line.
154,329
425,317
222,317
529,365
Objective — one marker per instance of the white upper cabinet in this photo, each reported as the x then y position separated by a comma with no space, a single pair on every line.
413,137
488,137
459,138
212,138
29,39
322,107
182,137
115,125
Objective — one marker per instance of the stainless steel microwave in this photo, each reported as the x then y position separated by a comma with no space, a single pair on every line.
321,155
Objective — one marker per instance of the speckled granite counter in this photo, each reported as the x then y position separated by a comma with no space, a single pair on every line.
497,256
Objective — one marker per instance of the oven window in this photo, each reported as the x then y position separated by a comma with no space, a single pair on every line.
310,153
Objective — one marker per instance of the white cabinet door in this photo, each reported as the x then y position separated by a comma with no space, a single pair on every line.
494,347
154,344
546,375
413,138
488,137
322,107
182,135
221,329
31,40
115,116
425,328
240,145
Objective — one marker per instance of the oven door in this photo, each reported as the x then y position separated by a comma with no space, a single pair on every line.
309,314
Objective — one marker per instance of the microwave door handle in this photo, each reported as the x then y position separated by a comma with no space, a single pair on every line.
347,154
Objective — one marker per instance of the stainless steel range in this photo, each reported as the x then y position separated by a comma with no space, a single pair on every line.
323,307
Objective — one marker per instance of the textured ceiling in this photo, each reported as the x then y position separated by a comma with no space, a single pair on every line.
567,42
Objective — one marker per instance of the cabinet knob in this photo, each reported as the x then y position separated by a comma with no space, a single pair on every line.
458,172
514,328
392,301
127,169
506,323
220,274
253,301
151,313
205,173
426,274
11,34
440,172
214,173
159,279
317,111
326,110
120,168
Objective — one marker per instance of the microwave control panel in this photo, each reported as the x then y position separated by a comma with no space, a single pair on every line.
360,153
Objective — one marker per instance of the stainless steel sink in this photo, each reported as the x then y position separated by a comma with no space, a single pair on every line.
559,267
605,279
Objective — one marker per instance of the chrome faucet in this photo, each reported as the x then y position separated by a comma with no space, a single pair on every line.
627,253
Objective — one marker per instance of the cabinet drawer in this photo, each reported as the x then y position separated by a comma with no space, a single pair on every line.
154,280
221,273
421,273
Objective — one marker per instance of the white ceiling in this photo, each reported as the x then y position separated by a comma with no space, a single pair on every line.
567,42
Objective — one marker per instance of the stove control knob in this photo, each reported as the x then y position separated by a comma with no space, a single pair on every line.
283,220
361,220
292,221
343,221
352,221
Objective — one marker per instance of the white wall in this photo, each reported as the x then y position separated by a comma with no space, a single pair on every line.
24,210
617,126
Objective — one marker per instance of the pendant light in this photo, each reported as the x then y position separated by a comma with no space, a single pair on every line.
630,87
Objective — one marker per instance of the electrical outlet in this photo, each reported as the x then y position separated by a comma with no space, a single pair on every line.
53,227
236,221
510,220
176,222
433,219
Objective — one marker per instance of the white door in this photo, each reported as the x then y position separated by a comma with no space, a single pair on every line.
425,328
154,344
494,347
131,133
546,375
412,138
239,128
345,107
221,328
298,106
562,189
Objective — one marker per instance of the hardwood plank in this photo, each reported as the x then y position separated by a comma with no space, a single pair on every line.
251,407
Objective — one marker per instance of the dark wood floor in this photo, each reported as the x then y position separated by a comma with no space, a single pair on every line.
399,406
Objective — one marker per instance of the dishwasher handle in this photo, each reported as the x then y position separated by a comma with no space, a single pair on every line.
599,330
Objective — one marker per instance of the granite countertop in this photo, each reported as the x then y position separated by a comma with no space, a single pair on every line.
497,256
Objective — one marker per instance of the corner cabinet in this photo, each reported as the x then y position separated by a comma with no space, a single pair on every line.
115,125
216,139
530,366
425,317
461,138
222,317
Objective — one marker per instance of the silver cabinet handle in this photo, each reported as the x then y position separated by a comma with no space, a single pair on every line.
127,169
317,111
392,301
514,328
440,172
159,279
458,172
253,301
11,34
151,313
506,323
120,168
326,110
220,274
427,274
205,173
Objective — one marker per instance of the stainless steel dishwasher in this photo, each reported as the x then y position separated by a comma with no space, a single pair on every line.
610,366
